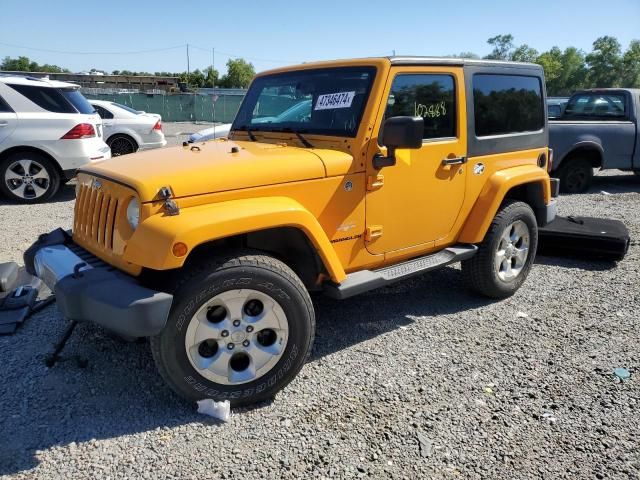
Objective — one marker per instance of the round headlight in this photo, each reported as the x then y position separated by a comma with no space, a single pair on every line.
133,213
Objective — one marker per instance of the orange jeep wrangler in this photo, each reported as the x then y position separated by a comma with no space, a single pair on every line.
337,177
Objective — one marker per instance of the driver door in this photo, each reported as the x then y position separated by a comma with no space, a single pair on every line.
413,204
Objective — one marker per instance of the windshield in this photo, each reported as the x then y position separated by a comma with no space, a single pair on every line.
329,101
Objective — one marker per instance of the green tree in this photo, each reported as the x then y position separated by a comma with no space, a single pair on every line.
211,77
24,64
605,62
551,62
502,47
239,74
524,53
631,65
565,71
574,71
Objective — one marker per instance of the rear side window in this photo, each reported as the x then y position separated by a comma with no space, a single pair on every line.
45,97
505,104
4,106
430,96
103,112
597,105
76,99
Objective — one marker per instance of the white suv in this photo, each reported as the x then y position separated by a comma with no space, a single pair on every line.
47,131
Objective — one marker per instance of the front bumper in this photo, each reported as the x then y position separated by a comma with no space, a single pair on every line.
87,289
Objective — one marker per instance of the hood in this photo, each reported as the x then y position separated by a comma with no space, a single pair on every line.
218,166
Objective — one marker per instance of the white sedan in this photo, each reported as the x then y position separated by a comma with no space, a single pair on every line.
127,130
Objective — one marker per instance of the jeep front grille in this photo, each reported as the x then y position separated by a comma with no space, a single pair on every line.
95,216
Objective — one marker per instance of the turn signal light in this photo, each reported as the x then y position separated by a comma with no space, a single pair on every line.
82,130
179,249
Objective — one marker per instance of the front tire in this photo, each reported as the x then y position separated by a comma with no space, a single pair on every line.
28,177
506,254
240,329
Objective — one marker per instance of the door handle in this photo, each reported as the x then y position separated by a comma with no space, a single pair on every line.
454,161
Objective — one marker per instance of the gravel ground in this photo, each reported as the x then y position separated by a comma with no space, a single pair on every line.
419,380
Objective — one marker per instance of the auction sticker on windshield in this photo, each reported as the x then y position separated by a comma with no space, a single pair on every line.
335,100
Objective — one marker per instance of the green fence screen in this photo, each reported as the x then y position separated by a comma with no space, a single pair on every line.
181,107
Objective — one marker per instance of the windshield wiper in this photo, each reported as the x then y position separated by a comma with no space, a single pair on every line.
304,141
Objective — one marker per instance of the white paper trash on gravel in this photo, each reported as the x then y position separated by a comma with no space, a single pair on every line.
219,410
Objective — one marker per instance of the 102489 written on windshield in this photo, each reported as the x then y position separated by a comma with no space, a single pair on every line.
433,110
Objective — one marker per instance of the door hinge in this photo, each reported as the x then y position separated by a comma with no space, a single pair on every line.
373,232
374,182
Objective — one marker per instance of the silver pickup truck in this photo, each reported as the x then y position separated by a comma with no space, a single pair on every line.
597,129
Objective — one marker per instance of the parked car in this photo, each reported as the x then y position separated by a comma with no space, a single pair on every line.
555,106
597,129
212,250
47,131
298,112
217,131
127,130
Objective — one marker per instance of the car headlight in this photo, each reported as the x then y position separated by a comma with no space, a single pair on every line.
133,213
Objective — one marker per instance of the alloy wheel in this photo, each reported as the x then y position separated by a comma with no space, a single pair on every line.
27,179
513,251
237,336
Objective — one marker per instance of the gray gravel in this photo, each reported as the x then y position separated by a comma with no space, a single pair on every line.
420,380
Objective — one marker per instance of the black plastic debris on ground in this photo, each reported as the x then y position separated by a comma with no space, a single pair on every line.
602,238
18,297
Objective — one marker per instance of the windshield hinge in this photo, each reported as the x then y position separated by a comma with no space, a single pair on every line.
170,206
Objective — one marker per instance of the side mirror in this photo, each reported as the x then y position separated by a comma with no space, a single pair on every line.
399,132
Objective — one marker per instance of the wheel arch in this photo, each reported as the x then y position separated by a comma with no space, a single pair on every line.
288,244
526,183
26,148
278,225
593,151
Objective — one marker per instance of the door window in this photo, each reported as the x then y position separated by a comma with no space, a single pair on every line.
4,106
103,112
507,104
430,96
47,98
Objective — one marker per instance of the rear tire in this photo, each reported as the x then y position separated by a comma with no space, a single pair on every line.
121,144
506,254
29,177
575,175
240,329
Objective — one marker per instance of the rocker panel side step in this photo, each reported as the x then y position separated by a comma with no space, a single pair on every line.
365,280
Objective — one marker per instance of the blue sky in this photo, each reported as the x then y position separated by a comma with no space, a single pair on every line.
275,33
